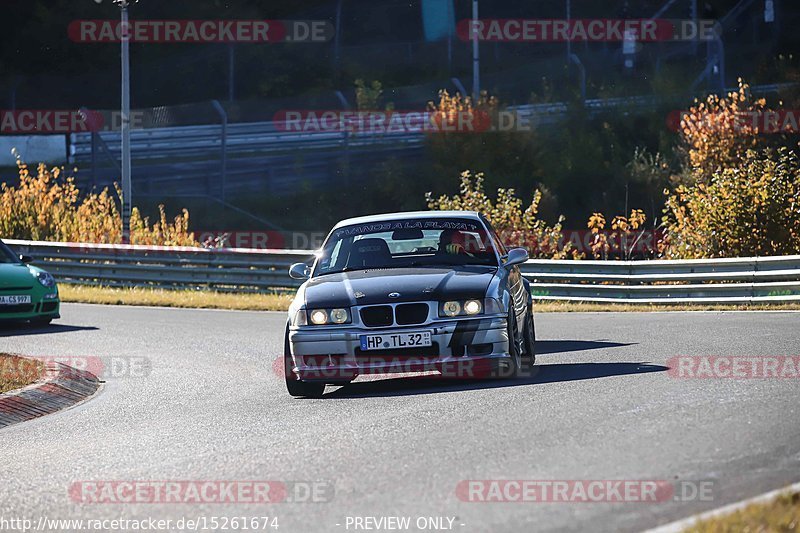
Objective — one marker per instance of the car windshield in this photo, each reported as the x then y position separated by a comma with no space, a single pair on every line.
406,243
6,255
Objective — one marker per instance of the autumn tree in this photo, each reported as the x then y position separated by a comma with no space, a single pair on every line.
752,209
517,225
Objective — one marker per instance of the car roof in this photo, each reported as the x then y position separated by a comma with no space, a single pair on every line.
408,214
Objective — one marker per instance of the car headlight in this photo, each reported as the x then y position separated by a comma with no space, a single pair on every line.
321,317
472,307
318,317
45,278
451,308
338,316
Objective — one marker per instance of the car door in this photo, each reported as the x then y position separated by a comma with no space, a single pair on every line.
514,281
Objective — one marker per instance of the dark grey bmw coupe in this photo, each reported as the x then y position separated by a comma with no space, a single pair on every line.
432,291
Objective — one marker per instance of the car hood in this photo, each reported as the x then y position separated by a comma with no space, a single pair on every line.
15,276
365,287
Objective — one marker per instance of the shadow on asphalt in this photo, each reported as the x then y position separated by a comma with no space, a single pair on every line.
553,373
545,347
22,328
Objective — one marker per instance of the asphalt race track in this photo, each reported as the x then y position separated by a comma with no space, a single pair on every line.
601,407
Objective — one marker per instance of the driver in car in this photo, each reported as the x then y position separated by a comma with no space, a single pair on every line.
454,242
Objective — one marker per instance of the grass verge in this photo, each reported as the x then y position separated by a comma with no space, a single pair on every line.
17,372
177,298
280,301
779,515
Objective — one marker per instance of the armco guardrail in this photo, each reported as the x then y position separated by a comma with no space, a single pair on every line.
740,280
242,139
734,280
267,137
174,267
262,156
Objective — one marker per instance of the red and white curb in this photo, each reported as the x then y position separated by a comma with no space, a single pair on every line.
60,387
686,523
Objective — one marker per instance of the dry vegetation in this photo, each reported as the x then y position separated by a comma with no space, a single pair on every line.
781,515
47,206
18,372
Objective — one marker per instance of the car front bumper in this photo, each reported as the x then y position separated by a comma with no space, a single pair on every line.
39,309
464,348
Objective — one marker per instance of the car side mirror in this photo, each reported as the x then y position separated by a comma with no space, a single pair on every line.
299,271
26,259
516,256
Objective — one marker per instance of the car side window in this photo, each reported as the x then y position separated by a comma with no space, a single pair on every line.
6,255
501,248
336,258
335,253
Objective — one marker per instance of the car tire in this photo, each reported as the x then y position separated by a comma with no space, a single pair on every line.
530,339
513,365
294,384
40,322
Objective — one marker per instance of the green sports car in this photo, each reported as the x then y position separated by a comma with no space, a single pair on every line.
26,292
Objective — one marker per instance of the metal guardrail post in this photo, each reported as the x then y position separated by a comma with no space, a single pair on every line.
224,145
576,60
93,136
753,283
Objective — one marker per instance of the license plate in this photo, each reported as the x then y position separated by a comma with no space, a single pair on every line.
15,300
387,341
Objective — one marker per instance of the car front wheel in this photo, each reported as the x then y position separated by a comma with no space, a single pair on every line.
294,384
530,338
511,367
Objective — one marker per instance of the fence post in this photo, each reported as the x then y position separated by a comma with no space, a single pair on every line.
224,145
94,159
